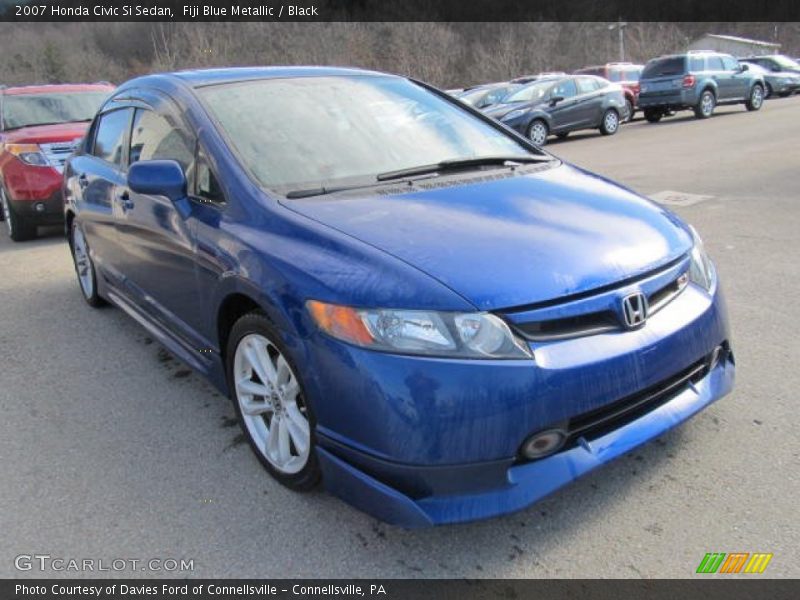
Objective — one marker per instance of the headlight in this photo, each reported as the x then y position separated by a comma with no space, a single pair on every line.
420,332
513,114
30,154
701,270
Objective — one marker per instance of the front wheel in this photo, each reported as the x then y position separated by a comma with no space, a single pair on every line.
653,115
271,404
610,123
18,229
706,104
756,98
537,132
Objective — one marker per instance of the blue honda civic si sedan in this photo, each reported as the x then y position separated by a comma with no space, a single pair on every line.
406,301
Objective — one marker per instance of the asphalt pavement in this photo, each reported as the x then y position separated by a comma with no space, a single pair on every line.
111,449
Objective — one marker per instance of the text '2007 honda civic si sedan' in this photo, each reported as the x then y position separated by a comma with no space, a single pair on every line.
405,300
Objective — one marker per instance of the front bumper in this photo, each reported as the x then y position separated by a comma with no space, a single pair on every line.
524,484
46,211
417,441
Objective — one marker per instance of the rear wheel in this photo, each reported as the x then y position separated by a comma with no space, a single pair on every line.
610,123
756,98
706,104
653,115
18,229
84,267
537,132
629,109
270,402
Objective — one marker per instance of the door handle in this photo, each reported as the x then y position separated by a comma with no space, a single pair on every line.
125,200
83,181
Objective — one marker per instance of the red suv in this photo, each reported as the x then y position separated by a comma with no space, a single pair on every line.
40,126
625,74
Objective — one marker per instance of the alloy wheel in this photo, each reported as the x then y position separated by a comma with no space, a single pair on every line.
611,121
756,97
83,263
707,104
538,133
271,404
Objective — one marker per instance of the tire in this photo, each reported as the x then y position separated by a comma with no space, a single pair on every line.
609,125
630,109
756,98
769,93
286,447
538,132
18,229
84,267
705,105
653,115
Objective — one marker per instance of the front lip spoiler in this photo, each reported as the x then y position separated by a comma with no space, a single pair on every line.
527,483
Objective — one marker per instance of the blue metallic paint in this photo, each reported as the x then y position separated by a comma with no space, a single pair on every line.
449,429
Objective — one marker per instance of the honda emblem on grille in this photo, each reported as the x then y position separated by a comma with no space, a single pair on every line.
634,310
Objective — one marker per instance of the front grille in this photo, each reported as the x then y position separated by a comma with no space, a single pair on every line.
592,323
596,423
57,153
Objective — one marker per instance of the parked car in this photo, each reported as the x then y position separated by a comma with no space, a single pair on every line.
779,83
39,127
543,75
559,105
487,95
429,314
697,81
775,62
626,74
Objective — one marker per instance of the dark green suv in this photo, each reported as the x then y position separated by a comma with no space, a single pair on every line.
697,81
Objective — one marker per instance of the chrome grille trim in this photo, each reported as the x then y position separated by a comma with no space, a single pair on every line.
57,153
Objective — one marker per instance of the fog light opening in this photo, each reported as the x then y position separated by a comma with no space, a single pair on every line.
544,443
716,356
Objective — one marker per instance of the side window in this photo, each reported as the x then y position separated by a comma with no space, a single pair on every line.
586,85
565,89
696,64
109,138
153,137
207,187
715,63
730,63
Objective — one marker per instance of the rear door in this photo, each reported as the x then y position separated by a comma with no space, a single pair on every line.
96,175
590,100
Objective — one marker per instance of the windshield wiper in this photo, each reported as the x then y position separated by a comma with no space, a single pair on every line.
460,163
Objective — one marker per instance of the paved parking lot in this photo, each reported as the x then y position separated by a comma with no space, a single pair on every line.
111,449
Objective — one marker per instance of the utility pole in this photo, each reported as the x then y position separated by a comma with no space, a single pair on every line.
620,27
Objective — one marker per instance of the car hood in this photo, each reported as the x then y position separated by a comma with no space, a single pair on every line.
516,240
42,134
498,111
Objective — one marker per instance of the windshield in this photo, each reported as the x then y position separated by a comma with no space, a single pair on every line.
534,91
27,110
328,131
786,62
624,75
662,67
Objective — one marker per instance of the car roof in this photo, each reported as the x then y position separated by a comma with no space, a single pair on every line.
203,77
56,87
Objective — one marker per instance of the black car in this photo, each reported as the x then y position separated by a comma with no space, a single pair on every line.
487,95
558,105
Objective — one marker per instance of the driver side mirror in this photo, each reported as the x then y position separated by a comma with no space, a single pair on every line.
743,68
158,178
555,100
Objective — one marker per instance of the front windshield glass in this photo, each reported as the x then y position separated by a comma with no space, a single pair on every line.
534,91
322,131
786,62
26,110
